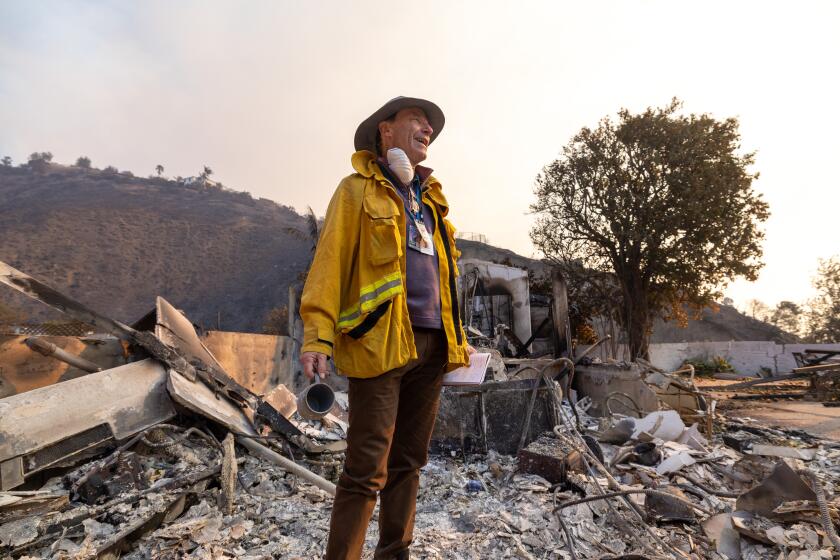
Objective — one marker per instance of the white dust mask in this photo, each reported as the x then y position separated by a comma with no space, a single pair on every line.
400,165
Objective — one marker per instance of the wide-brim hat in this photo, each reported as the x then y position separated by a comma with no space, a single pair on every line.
365,138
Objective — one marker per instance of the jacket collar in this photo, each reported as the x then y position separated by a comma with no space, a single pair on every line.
365,164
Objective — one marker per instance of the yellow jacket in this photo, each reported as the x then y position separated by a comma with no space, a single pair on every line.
353,304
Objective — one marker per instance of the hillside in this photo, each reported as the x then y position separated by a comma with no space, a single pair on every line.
721,325
115,242
477,250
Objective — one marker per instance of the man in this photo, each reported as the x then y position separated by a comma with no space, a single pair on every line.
380,298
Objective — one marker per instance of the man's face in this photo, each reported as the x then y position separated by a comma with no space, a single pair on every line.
410,130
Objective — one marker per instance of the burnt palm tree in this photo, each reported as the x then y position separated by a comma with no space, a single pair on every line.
310,232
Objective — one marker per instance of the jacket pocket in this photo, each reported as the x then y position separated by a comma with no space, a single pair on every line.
385,239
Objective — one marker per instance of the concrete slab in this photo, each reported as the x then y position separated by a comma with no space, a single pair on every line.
812,417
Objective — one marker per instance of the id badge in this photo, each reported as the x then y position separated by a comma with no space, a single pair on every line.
413,236
425,243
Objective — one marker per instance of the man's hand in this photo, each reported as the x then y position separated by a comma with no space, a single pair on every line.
314,363
470,350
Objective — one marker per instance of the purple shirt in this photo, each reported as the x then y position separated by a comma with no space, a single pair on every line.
422,276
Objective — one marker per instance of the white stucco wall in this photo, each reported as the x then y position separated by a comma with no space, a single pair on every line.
745,357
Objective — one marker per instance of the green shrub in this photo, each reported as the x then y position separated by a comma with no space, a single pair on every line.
710,366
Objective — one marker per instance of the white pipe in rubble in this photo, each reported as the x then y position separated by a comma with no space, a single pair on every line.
50,350
287,465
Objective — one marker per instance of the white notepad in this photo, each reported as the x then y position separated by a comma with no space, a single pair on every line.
472,374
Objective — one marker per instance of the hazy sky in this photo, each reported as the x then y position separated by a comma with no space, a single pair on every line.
269,94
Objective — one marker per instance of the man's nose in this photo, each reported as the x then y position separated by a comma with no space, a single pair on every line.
427,128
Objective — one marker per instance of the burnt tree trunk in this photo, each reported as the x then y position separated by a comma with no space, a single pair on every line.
636,317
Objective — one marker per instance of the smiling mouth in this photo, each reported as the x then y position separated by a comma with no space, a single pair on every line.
424,141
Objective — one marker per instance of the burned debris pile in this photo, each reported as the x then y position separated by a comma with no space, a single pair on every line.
170,456
642,467
144,440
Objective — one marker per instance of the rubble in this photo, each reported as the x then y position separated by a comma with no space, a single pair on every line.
168,456
51,425
511,514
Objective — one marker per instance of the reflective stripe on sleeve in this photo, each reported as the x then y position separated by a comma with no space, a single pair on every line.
369,299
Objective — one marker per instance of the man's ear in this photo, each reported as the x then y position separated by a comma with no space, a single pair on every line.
385,132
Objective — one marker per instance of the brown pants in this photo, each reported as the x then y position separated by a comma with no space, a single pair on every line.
391,422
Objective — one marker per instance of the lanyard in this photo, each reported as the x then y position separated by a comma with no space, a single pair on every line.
418,237
416,201
413,203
